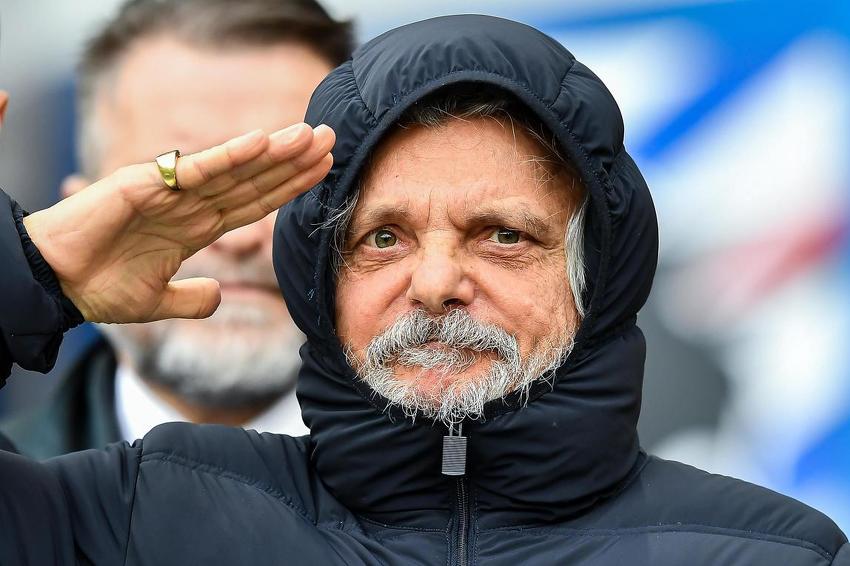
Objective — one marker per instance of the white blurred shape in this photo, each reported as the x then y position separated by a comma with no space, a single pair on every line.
787,363
653,70
774,152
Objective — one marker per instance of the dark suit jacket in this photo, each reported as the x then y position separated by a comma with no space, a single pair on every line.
79,414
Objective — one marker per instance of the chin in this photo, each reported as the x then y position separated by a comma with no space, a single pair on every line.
432,382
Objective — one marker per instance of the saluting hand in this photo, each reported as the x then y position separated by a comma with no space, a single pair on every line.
115,245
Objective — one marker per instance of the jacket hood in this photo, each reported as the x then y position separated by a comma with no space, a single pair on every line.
575,441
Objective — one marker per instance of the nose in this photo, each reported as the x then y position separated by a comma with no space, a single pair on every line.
247,240
439,282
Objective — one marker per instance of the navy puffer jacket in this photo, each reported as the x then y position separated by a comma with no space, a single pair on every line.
561,480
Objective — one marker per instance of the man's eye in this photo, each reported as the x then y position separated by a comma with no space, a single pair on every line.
505,236
382,238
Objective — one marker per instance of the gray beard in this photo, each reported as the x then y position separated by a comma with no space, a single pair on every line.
220,367
462,340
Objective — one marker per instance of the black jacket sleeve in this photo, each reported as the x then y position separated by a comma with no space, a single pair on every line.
74,509
33,311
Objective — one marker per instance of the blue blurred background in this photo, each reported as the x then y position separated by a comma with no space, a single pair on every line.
739,116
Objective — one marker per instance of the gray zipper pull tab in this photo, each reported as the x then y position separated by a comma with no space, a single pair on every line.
454,452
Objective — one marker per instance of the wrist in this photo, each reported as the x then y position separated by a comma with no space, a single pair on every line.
29,232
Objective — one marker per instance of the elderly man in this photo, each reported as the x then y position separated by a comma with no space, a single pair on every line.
468,277
237,367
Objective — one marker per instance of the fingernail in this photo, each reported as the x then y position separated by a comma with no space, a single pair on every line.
289,133
318,129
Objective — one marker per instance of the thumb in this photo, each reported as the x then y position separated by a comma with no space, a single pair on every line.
197,297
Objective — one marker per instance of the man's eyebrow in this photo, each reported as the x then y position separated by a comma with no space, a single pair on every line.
519,218
378,216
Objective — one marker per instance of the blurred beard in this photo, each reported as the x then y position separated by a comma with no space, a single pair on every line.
445,346
243,355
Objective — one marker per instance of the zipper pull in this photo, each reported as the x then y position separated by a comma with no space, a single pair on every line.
454,452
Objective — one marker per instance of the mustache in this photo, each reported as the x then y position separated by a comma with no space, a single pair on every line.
450,341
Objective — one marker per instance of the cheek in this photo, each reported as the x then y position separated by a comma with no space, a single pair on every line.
533,304
266,229
367,303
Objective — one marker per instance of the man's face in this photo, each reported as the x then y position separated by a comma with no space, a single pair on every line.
168,95
456,219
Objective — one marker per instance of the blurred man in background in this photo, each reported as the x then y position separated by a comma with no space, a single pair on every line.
190,74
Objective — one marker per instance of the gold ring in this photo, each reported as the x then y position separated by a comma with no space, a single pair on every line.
167,163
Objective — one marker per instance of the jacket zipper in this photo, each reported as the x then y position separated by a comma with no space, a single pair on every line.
462,521
454,465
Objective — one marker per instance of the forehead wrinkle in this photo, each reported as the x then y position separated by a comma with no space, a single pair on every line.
428,207
459,215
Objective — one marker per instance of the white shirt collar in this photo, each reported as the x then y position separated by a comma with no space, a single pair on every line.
139,410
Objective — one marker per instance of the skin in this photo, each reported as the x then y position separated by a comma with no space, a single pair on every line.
446,195
4,102
118,267
200,98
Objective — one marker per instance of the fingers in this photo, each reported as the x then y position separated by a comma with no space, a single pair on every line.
277,197
323,142
197,169
283,145
197,297
254,188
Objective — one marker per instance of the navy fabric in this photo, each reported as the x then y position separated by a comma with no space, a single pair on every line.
31,320
561,480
